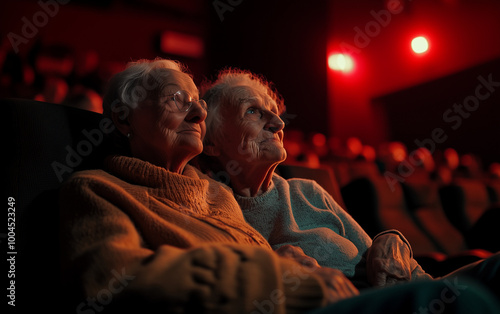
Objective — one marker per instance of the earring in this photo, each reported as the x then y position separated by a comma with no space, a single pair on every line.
128,135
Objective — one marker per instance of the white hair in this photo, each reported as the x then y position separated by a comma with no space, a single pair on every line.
227,90
141,80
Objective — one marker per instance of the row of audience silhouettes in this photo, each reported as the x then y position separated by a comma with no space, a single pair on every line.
444,203
54,73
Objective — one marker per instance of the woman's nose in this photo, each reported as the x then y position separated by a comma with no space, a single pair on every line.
197,113
275,124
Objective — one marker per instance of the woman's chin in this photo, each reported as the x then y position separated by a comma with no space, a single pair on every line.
190,149
274,156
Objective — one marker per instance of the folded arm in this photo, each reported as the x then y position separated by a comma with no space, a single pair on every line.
106,258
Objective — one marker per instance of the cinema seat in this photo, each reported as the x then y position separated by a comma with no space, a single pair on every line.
424,203
493,188
376,206
45,144
422,199
464,202
48,142
363,169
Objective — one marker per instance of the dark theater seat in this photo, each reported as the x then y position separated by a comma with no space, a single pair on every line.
48,142
378,206
493,187
422,198
464,202
45,144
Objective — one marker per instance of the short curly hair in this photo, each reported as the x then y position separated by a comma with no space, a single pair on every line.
225,90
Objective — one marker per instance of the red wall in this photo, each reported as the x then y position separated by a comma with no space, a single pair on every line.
462,33
117,31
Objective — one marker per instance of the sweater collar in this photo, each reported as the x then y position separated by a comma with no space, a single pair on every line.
248,202
144,173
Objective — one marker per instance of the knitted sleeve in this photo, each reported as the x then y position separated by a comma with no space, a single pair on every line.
417,272
352,229
401,236
106,264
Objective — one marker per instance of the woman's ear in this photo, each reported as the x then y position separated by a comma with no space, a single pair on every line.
210,149
121,119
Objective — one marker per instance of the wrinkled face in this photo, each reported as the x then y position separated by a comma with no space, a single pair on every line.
252,130
160,133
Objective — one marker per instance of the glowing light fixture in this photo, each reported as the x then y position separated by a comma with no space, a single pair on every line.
340,62
419,44
182,44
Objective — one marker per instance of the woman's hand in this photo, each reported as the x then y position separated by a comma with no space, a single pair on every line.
338,285
388,261
296,253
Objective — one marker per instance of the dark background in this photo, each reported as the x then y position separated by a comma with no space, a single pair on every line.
387,97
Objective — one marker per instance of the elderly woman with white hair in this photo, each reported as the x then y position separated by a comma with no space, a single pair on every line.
245,142
242,148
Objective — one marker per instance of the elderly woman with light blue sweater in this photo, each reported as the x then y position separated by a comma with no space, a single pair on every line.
299,219
244,144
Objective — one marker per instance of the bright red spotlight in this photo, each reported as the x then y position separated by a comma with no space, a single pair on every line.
340,62
419,44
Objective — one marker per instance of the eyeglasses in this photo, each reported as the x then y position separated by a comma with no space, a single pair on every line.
183,101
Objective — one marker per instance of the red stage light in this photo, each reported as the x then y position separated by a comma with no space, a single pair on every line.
419,44
340,62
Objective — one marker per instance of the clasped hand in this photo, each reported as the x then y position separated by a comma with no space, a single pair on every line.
338,285
388,261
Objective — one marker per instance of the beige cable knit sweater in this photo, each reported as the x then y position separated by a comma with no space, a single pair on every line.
139,237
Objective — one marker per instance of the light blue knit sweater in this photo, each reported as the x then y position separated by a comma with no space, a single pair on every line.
300,212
